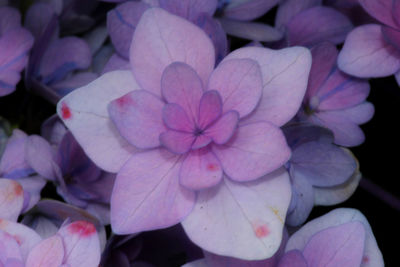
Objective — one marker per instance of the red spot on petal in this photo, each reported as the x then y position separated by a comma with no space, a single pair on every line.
365,259
18,191
81,228
124,101
18,239
261,231
65,111
213,167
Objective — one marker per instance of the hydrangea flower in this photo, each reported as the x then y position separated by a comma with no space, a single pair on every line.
335,100
321,173
14,166
15,43
227,136
75,244
373,50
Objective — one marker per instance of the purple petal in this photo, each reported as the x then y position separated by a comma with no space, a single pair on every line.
53,130
341,245
138,118
251,30
74,81
81,244
49,253
149,181
366,54
175,118
45,164
224,128
200,170
326,24
293,258
38,18
9,19
392,36
12,164
255,150
396,12
288,9
302,200
397,76
254,211
189,9
84,112
340,91
177,142
210,108
285,76
121,24
160,39
324,58
181,85
11,199
381,10
372,255
239,81
221,261
323,164
201,141
116,63
63,56
248,9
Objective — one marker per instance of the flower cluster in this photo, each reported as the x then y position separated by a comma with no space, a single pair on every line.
170,137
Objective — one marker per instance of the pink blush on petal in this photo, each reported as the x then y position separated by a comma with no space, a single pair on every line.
261,230
83,229
125,101
212,167
65,111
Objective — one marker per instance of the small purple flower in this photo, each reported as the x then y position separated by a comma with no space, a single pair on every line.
78,180
177,126
373,50
319,171
335,100
15,43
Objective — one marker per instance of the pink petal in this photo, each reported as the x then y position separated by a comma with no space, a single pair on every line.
366,54
25,236
293,258
175,118
9,247
147,194
381,10
392,36
84,112
48,253
251,30
210,108
11,199
253,211
81,243
248,9
324,58
341,245
221,261
201,141
160,39
239,81
372,255
12,165
285,76
138,118
326,24
224,128
396,12
189,9
177,142
200,170
181,85
255,150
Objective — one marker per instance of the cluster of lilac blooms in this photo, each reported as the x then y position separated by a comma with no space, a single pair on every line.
161,124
